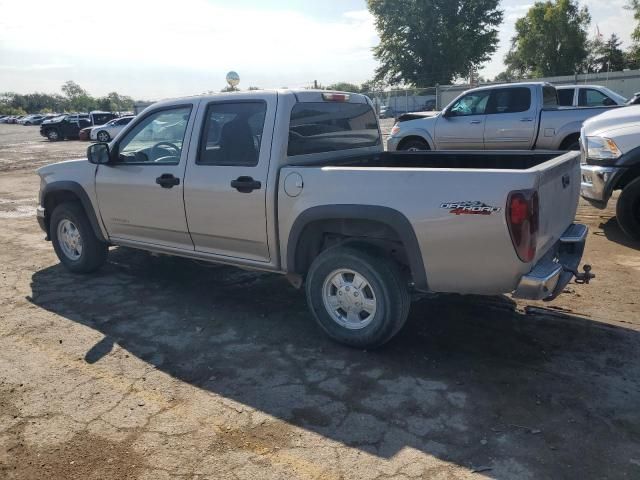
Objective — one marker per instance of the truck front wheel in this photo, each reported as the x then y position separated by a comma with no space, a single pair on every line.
53,135
74,240
359,298
628,209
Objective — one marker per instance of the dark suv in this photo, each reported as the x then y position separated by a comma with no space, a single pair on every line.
69,126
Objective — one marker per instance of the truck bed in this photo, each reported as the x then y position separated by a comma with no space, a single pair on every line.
491,160
422,185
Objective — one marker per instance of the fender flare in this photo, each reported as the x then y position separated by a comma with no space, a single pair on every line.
388,216
78,191
418,132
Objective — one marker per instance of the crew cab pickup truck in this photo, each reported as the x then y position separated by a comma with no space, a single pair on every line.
296,182
521,116
611,161
69,126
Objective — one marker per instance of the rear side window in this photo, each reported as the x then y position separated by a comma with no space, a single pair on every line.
565,97
510,100
232,134
549,96
328,127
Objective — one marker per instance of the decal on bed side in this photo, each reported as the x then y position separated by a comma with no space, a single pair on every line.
470,208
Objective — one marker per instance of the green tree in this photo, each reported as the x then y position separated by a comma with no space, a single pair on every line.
633,53
344,87
609,56
550,40
427,42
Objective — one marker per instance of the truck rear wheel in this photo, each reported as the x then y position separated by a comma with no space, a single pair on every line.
628,209
74,240
358,298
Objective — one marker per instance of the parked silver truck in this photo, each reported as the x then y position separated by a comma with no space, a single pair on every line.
611,161
519,116
296,182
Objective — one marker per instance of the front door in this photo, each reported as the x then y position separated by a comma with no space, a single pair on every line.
226,179
511,119
461,126
141,194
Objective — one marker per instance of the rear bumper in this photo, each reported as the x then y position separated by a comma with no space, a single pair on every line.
597,183
555,270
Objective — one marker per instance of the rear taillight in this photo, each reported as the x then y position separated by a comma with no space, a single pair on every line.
523,220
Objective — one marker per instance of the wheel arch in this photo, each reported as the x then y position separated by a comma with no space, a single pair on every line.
374,225
58,192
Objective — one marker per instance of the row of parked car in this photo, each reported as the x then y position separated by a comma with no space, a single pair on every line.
33,119
99,126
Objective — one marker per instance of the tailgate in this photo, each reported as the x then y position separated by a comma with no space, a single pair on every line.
559,192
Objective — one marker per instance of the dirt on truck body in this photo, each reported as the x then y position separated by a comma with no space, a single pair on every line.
160,367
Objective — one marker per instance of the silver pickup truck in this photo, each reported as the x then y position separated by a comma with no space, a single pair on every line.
519,116
296,182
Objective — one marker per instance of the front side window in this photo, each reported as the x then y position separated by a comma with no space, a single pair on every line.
471,104
510,100
232,134
157,139
593,98
565,97
331,126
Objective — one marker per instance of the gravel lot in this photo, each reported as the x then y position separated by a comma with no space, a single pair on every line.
161,368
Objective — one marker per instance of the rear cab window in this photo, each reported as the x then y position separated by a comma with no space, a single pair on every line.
331,126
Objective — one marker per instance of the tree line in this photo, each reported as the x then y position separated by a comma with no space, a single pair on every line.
73,98
424,43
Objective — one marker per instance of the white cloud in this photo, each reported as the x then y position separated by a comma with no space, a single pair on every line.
198,36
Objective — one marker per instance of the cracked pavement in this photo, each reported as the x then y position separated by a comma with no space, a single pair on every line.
160,367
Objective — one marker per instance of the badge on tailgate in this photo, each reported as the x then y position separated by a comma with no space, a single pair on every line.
470,208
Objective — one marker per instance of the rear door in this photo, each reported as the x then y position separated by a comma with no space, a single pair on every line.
226,179
461,126
511,119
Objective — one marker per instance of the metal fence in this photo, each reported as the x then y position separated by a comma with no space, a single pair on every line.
391,103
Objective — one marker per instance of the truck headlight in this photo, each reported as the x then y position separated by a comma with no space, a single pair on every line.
395,129
602,148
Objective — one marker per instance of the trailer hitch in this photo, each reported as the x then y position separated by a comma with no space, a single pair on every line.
581,278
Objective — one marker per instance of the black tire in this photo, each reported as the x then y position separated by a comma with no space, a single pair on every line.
53,135
106,137
571,143
386,282
414,145
94,252
628,209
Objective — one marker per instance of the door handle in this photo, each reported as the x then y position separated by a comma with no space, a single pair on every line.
167,180
246,184
526,119
475,122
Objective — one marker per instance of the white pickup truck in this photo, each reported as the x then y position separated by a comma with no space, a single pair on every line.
518,116
296,182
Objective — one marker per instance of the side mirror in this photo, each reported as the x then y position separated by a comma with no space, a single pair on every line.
99,154
446,113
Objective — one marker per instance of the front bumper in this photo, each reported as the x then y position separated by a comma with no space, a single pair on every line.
556,269
597,183
392,143
41,217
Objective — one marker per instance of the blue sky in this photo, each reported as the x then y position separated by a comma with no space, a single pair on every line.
158,49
